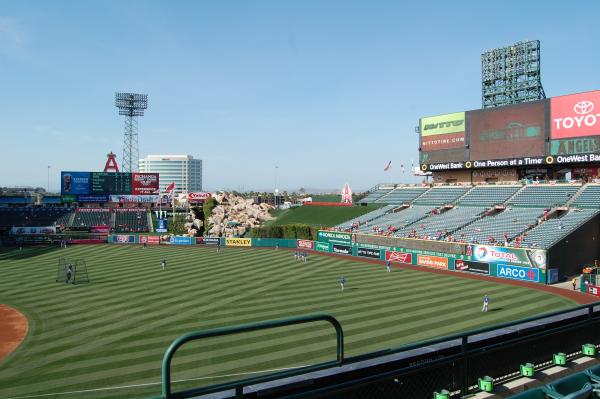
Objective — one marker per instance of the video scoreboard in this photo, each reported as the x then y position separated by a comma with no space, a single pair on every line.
110,183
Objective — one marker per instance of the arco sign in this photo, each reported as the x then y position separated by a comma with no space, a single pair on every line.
519,273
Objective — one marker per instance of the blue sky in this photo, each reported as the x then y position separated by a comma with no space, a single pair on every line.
328,91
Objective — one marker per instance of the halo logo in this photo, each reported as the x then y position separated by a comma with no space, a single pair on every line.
583,107
481,252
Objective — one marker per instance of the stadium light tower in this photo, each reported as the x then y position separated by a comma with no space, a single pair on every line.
131,105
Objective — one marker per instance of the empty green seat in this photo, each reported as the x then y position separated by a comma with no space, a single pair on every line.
575,386
594,374
536,393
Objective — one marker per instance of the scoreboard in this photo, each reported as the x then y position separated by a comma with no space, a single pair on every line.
110,183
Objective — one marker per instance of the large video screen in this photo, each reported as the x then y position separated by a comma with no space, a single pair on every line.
508,132
110,183
74,182
144,183
441,156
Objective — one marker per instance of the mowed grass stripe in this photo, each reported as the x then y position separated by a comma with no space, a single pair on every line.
122,322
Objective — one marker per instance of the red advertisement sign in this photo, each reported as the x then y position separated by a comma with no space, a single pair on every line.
508,132
432,261
443,141
306,244
395,256
592,289
198,197
144,183
576,115
152,240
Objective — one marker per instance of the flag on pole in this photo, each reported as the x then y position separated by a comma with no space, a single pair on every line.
388,166
170,187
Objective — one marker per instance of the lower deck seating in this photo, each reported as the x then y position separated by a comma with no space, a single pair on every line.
84,218
131,222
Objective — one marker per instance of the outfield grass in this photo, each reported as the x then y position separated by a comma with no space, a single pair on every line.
325,216
113,331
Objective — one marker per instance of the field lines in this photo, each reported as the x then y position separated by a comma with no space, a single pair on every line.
113,331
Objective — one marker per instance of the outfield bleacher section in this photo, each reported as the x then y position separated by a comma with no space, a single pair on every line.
589,197
544,195
32,216
488,195
510,222
552,231
376,194
442,195
437,226
401,195
367,217
131,221
88,218
397,220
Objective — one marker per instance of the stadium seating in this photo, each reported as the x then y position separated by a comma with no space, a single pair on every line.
511,221
589,197
397,220
551,231
91,218
439,225
544,195
131,222
367,217
488,195
31,216
441,195
376,194
402,195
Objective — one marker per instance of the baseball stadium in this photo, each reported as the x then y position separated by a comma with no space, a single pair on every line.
479,282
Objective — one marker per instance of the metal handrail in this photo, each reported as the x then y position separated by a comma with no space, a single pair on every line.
238,385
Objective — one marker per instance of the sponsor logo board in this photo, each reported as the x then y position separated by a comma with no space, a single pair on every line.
198,197
437,262
443,124
575,146
92,198
152,240
519,273
305,244
32,231
147,199
342,249
517,256
144,183
575,115
472,267
443,141
334,237
211,240
322,246
238,242
161,226
369,253
181,240
396,256
124,239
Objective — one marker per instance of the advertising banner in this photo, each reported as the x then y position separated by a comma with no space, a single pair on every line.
147,199
68,198
334,237
144,183
575,115
519,273
552,276
515,256
161,226
396,256
181,240
443,124
369,253
322,246
100,229
198,197
152,240
92,198
593,290
122,239
442,156
211,240
74,182
31,231
305,244
437,262
93,210
472,267
443,141
576,146
342,249
513,131
238,242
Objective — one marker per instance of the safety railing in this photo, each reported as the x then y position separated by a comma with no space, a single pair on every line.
239,385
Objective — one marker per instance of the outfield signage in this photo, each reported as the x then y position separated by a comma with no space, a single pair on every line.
576,146
472,267
518,273
152,240
397,256
144,183
305,244
74,182
181,240
92,198
369,253
515,256
334,237
31,231
147,199
162,225
122,239
575,115
437,262
323,246
198,197
212,240
238,242
443,124
341,249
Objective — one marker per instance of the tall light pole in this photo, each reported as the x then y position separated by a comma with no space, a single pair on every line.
48,184
131,105
276,189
